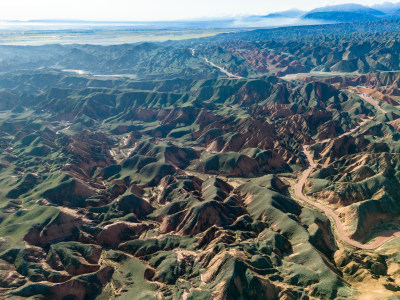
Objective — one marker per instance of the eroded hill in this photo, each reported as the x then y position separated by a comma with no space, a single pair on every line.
179,184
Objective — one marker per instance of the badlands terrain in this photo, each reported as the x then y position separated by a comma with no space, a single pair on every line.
255,165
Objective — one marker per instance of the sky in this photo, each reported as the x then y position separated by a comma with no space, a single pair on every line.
150,10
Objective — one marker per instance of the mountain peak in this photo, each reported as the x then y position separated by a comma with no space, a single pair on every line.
291,13
349,7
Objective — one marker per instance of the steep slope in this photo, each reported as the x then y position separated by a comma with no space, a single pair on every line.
182,187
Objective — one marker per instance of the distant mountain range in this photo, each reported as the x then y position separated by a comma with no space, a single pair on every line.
292,13
387,7
343,13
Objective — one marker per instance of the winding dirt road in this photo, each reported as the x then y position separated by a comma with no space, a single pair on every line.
341,233
380,240
229,74
373,102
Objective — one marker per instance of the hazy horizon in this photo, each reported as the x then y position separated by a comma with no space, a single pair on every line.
153,10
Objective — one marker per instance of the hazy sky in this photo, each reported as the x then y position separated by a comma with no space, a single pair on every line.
141,10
